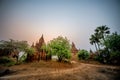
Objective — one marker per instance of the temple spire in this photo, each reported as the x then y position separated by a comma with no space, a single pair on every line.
40,43
74,50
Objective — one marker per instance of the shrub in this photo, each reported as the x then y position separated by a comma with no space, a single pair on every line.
115,57
60,46
29,54
103,56
6,61
83,54
30,51
108,57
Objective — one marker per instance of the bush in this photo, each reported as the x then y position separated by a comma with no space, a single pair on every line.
6,61
115,57
30,51
83,54
60,46
108,57
103,56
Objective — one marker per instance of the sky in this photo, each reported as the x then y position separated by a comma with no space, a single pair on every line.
74,19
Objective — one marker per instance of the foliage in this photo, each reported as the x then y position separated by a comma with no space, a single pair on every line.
7,47
108,57
13,47
112,42
103,56
30,51
59,46
83,54
110,45
48,51
115,57
102,31
94,40
98,38
6,61
111,53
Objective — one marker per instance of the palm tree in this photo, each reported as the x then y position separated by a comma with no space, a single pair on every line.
102,31
97,36
94,40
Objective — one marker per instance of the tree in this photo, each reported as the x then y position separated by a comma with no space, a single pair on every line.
13,44
30,51
7,47
12,47
60,46
98,38
102,31
94,40
83,54
112,42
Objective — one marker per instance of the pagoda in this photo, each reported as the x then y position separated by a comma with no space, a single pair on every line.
74,50
40,51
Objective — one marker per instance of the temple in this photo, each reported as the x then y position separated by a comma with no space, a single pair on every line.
74,50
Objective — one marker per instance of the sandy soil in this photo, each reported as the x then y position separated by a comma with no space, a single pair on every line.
62,71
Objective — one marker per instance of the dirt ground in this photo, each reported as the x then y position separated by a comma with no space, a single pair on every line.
52,70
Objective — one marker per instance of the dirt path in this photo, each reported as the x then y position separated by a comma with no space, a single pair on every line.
80,72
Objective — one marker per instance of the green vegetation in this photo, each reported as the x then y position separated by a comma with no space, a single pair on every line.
109,43
112,44
107,49
6,61
59,46
12,48
30,51
83,54
98,38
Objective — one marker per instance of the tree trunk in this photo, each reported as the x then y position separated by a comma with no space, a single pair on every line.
96,47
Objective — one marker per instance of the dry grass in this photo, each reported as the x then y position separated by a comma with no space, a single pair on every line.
62,71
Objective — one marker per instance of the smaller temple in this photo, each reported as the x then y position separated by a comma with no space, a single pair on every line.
74,50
